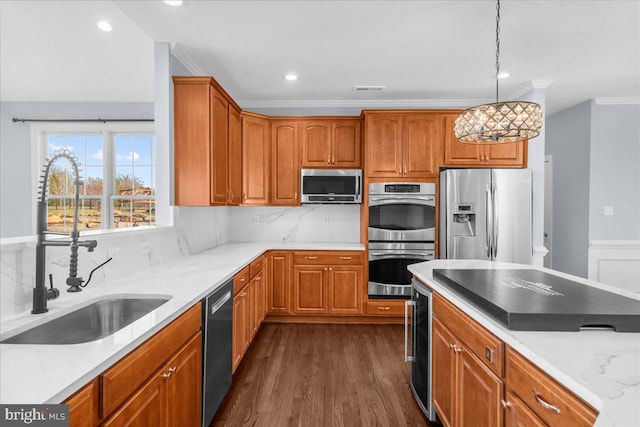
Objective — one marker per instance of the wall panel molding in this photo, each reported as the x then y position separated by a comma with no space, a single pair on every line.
616,263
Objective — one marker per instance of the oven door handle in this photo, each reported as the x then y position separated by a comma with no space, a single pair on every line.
408,357
383,255
379,201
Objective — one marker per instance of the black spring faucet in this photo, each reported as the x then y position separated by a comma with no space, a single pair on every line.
41,294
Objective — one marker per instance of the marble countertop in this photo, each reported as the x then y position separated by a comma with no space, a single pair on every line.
601,367
51,373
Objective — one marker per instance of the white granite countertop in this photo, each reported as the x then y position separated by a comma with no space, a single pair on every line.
602,367
51,373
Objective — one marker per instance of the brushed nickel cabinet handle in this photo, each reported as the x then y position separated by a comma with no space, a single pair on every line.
384,308
506,404
328,159
333,159
244,197
544,404
404,172
295,196
243,294
345,257
311,257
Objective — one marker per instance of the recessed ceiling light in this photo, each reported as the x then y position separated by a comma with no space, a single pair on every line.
503,75
291,77
174,2
104,26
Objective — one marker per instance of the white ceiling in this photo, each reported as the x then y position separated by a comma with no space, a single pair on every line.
426,53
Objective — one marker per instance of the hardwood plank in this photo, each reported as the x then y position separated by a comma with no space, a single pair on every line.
322,375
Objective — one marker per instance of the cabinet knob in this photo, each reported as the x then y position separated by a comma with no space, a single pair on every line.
506,404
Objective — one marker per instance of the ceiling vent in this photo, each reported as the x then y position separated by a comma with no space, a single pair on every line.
368,88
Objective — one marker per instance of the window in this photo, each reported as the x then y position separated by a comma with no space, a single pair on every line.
117,172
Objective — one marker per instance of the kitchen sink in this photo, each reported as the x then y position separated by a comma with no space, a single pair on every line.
90,323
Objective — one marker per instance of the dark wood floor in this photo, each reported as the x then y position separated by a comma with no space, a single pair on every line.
322,375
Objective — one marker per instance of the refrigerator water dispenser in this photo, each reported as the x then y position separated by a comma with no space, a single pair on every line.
464,219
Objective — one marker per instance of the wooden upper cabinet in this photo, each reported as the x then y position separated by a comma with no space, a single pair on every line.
256,159
316,143
220,147
285,168
192,141
404,145
235,156
383,145
489,155
346,143
328,143
207,140
423,135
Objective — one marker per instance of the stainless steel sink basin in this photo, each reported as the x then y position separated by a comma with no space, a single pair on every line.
89,323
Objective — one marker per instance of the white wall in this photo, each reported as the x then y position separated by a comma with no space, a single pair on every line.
16,194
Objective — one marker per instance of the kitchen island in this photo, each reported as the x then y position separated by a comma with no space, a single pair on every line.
601,367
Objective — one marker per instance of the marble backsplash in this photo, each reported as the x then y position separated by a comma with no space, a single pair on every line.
195,229
308,223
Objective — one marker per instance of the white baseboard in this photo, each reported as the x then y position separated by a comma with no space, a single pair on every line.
616,263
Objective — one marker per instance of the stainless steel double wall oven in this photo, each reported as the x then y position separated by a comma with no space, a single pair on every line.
402,230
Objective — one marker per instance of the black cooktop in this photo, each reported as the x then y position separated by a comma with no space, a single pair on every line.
532,300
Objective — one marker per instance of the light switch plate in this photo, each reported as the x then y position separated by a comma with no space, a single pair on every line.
608,210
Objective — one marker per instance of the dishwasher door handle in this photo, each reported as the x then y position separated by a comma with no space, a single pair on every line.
218,304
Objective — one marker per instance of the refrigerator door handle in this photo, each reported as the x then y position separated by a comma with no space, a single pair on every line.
494,203
488,209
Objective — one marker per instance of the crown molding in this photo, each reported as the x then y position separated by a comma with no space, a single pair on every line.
186,60
629,100
364,103
528,87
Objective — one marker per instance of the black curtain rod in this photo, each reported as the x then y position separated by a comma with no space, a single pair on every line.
15,120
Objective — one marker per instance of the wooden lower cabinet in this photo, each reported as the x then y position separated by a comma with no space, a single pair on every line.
147,407
309,289
518,414
84,406
345,290
444,373
279,282
241,325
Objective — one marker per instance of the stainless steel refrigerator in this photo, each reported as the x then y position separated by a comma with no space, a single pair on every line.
486,214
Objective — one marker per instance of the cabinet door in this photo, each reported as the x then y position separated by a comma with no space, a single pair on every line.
219,147
513,154
285,171
518,414
457,153
192,142
444,373
384,145
256,158
147,407
345,144
184,385
479,393
309,289
83,406
316,143
279,294
423,134
345,290
240,325
235,156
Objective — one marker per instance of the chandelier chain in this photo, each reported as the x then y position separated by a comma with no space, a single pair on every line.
497,46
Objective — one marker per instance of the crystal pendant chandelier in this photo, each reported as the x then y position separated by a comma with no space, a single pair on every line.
499,122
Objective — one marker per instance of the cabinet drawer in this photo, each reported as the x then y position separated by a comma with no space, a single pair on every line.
554,404
134,369
484,344
240,280
385,308
256,266
327,257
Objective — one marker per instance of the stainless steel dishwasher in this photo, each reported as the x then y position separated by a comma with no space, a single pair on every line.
217,323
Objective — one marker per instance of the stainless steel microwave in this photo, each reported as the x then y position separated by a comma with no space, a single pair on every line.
331,185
